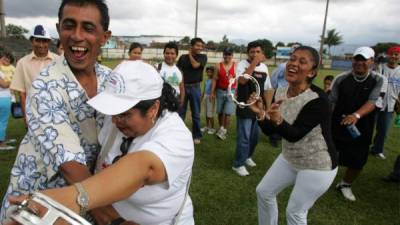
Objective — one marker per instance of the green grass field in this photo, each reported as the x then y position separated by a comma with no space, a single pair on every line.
220,197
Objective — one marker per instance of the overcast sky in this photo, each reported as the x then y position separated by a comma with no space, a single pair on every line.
359,21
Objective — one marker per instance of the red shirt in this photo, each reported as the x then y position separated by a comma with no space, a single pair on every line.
224,76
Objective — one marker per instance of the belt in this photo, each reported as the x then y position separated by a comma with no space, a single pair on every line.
192,84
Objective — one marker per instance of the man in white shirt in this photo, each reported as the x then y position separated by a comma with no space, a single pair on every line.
247,127
29,66
385,104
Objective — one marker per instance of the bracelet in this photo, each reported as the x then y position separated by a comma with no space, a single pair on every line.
117,221
262,117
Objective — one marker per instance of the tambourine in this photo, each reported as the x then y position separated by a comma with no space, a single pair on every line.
251,79
55,211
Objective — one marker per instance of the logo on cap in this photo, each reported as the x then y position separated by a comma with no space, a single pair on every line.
39,30
116,83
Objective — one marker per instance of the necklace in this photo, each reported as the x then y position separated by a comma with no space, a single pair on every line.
357,79
291,93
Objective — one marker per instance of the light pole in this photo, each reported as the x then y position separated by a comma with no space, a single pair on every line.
197,15
2,23
321,48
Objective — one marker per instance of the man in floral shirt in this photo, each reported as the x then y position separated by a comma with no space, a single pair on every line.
61,144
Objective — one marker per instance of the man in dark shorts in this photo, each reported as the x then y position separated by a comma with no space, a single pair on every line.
353,96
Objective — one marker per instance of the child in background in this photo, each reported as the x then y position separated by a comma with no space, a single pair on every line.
327,84
135,51
209,102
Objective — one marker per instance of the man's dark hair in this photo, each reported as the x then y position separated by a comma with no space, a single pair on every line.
195,40
328,77
100,4
211,68
135,45
171,45
253,44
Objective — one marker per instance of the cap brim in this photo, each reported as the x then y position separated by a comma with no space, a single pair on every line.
41,37
362,55
110,104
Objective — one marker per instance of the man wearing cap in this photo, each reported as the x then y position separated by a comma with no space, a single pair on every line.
385,104
29,66
61,144
224,71
192,67
353,97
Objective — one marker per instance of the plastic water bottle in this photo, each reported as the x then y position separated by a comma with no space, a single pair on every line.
353,130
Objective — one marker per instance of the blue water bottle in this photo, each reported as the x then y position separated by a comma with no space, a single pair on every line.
353,130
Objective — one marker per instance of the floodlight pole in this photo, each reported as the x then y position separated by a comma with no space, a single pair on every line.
196,21
2,22
321,48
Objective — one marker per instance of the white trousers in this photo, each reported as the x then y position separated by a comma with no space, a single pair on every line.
309,185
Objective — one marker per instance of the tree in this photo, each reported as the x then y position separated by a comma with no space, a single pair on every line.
211,45
267,47
333,38
383,47
290,44
16,31
185,40
280,44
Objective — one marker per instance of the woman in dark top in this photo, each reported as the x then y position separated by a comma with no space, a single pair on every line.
301,114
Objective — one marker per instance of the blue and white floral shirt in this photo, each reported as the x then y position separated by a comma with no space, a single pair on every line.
62,127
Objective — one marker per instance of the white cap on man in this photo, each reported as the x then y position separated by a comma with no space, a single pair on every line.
39,31
129,83
365,52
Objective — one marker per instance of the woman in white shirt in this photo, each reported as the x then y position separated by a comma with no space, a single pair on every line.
148,181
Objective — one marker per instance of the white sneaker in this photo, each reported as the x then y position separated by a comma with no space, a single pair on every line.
241,171
250,162
381,155
204,129
6,148
196,141
11,141
221,133
211,131
346,191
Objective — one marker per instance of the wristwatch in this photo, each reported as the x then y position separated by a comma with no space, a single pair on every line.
82,199
357,115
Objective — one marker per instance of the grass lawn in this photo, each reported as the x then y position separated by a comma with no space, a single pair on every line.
220,197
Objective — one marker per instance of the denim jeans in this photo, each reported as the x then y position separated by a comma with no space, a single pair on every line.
193,96
383,122
246,139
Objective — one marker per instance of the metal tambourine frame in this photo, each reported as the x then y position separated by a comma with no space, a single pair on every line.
249,78
28,216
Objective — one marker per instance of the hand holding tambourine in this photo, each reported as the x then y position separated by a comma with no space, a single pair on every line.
232,94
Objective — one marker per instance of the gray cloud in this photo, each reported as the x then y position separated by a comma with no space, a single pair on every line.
359,21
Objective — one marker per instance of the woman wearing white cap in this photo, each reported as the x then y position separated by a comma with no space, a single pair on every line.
149,156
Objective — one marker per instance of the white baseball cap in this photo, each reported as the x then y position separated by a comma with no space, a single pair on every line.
365,52
39,31
129,83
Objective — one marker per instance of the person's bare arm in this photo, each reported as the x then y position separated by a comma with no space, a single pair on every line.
148,169
364,110
193,61
268,95
4,83
250,69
